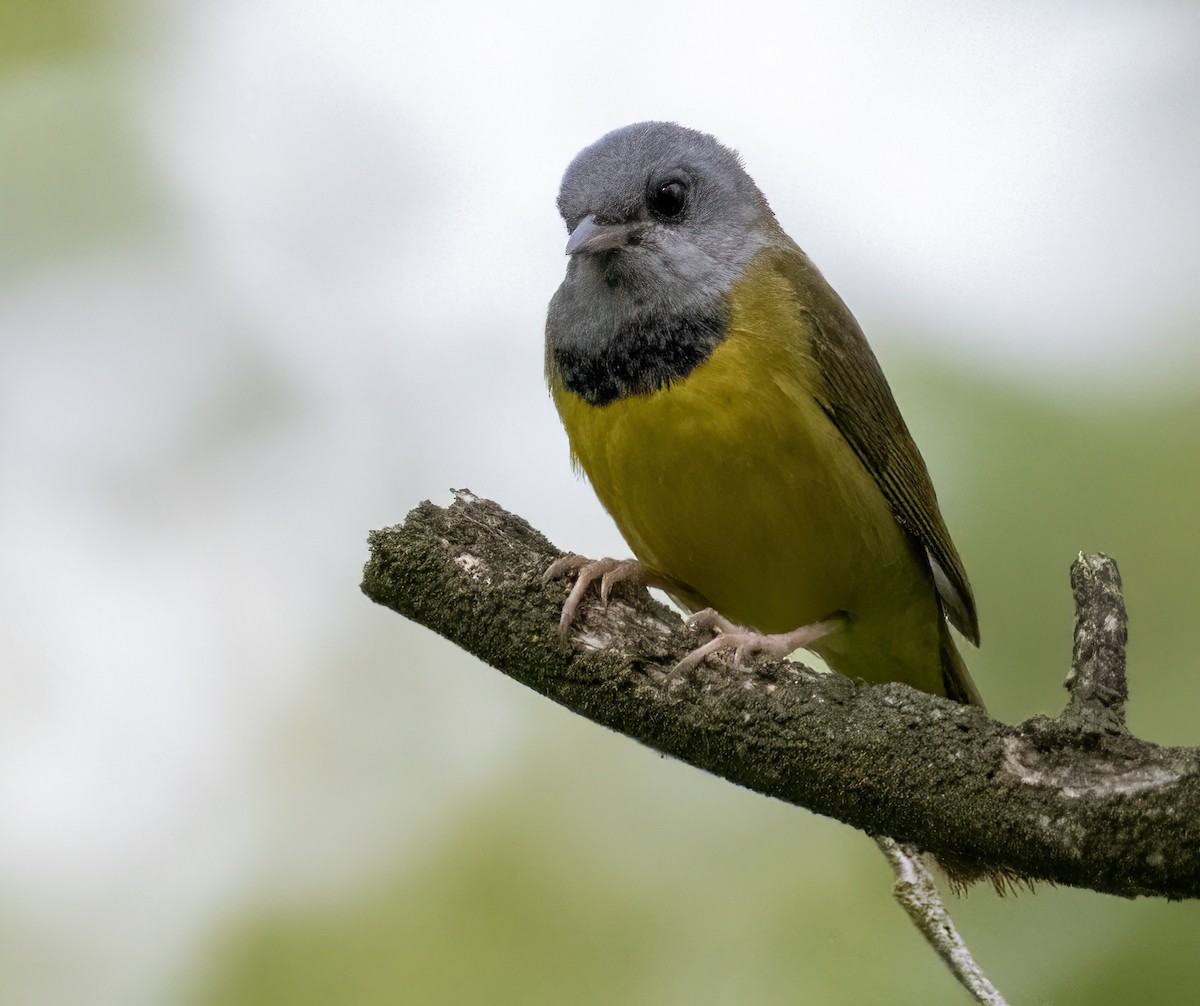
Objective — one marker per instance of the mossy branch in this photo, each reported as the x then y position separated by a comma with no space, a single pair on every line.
1074,800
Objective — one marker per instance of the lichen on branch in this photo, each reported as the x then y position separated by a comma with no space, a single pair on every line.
1074,800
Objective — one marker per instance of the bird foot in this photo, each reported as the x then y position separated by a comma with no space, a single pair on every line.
587,571
746,642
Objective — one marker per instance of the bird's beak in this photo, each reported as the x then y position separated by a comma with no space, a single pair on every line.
589,236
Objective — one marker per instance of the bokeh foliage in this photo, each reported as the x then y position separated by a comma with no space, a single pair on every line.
590,870
707,894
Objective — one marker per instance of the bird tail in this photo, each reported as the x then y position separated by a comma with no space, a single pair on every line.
959,687
956,679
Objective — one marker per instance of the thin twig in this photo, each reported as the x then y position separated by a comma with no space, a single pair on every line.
918,895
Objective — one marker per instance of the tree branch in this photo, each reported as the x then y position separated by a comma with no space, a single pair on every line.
1096,680
1075,800
915,890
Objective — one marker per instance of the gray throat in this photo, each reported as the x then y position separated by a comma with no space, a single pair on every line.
603,355
618,326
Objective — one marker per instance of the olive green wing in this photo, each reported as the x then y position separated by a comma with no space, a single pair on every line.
855,395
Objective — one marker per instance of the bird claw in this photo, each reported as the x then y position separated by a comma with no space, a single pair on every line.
711,620
746,642
609,572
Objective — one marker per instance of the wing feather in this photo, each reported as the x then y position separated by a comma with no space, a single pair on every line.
855,395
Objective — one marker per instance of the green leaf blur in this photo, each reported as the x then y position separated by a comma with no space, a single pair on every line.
605,874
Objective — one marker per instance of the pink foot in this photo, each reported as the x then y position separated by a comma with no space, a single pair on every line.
608,571
745,642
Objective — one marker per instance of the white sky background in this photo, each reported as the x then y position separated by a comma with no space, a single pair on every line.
338,312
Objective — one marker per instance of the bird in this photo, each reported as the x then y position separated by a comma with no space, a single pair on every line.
731,417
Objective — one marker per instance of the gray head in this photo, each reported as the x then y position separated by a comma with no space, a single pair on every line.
662,222
674,205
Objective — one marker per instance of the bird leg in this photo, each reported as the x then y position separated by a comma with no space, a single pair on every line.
608,571
745,641
742,640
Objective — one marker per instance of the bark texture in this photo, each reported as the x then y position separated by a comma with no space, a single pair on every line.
1073,800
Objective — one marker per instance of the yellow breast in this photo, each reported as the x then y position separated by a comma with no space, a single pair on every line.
734,483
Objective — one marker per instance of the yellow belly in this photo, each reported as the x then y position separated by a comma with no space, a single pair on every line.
736,485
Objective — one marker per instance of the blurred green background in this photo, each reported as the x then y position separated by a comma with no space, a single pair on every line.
271,274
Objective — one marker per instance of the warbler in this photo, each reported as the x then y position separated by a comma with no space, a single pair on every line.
731,417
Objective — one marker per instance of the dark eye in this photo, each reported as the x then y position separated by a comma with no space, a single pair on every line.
668,199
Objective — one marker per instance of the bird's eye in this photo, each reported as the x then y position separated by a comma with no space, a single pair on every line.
668,199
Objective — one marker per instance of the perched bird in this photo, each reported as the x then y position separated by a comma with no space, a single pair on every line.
732,419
